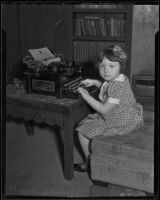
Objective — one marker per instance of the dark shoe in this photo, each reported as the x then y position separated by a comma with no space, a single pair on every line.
81,167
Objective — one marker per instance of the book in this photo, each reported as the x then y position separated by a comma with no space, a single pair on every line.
41,54
115,27
123,22
93,27
89,27
100,28
98,33
103,27
44,55
108,27
83,29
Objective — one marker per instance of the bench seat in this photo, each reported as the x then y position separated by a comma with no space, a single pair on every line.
126,160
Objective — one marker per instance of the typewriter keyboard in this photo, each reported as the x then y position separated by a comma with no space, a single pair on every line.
70,89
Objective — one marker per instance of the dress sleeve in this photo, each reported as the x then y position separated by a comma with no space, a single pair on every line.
115,92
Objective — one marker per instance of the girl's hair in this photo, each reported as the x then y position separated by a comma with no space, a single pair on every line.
113,53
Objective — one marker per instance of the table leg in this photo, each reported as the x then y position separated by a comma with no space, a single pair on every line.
67,134
29,128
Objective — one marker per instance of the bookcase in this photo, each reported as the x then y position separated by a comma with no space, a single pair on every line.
96,26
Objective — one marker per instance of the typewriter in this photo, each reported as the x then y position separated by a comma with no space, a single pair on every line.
60,79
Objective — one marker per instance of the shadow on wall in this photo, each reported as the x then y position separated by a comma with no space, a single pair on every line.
145,25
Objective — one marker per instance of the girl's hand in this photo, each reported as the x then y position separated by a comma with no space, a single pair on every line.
90,82
87,82
83,92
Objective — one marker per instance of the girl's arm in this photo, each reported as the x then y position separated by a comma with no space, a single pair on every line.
97,83
90,82
96,105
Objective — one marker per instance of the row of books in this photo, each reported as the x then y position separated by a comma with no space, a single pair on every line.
99,26
99,6
87,50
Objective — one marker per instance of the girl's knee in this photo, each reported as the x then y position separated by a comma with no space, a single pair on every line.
80,135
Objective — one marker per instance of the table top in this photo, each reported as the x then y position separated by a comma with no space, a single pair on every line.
19,96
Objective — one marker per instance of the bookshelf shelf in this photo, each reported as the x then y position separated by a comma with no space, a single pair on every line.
94,10
98,38
95,27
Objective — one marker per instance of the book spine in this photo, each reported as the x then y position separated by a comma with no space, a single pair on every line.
89,27
115,27
112,27
100,27
103,26
118,28
93,27
106,27
83,30
97,27
123,28
109,27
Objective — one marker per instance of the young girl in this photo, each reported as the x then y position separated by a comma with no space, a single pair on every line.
117,112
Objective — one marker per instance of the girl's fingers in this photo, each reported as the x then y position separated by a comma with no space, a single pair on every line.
81,90
86,82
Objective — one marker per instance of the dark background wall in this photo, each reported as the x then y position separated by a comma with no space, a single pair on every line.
35,26
11,27
44,25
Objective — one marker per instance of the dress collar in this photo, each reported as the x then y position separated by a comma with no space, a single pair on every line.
120,78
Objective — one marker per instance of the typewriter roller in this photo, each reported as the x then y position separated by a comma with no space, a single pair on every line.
69,89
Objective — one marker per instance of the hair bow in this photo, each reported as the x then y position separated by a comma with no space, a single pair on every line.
117,51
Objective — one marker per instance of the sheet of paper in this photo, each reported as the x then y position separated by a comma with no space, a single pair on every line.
41,54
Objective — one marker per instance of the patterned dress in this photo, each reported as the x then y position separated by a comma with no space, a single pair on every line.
123,119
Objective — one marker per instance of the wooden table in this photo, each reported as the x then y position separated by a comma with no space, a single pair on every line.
64,112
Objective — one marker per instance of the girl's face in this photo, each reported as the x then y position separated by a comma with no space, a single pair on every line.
109,70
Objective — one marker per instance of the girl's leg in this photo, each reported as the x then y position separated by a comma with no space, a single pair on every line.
84,166
84,144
